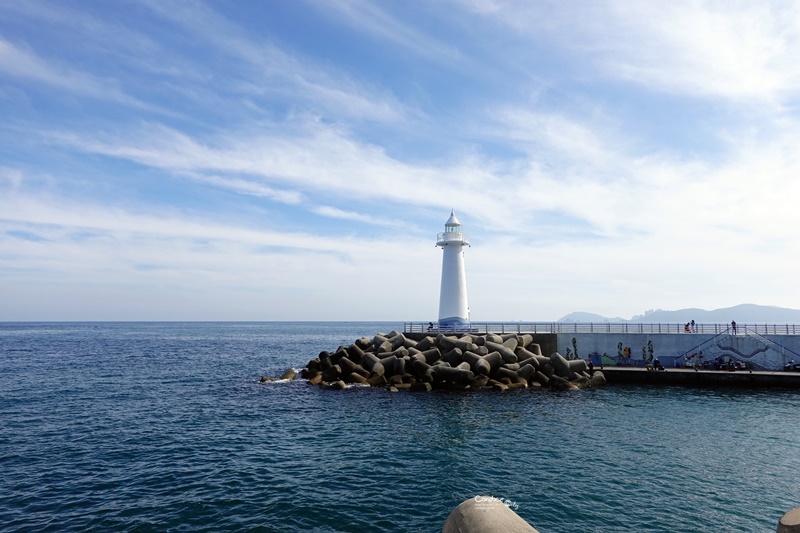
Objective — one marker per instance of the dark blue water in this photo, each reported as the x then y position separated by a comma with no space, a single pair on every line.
164,427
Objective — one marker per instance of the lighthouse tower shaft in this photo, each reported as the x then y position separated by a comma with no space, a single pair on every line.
453,305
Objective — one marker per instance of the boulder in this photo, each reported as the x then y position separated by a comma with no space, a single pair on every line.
578,365
373,364
432,355
397,340
527,372
511,375
479,381
598,379
453,357
356,378
355,353
426,343
511,343
559,383
289,374
560,365
524,355
364,343
377,381
446,342
508,355
478,364
456,375
388,366
332,373
525,340
422,370
494,359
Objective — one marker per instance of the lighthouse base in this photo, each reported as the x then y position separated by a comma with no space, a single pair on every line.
454,324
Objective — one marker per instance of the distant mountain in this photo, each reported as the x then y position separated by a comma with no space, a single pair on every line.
743,314
580,316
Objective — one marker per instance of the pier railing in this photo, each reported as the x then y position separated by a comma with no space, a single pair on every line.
602,327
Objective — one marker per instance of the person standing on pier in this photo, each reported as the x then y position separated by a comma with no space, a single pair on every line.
733,326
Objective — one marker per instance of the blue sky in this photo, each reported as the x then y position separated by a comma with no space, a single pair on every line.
294,160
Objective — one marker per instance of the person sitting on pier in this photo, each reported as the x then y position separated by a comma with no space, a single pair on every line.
657,364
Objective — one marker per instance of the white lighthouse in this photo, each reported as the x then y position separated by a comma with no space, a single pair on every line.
453,306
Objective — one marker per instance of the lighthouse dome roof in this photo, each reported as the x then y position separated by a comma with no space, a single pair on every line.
452,221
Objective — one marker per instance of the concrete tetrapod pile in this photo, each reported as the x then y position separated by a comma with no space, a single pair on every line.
502,362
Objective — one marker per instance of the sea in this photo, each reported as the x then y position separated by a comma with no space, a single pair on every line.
155,426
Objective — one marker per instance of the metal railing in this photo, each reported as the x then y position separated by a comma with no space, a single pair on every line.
604,327
451,236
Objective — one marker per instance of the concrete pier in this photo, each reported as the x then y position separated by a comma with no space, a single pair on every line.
762,347
701,378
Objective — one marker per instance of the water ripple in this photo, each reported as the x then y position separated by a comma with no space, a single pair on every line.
163,427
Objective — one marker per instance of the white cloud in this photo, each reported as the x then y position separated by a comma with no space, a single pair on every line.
738,50
371,18
335,212
25,64
13,176
275,71
570,200
251,188
735,50
183,268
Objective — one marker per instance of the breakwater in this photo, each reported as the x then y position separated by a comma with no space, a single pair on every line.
765,347
400,362
702,378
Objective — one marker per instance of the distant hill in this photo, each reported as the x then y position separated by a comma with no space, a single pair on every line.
580,316
743,314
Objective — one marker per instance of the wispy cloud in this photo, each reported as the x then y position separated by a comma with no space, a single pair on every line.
372,18
735,50
335,212
248,187
609,152
308,156
272,70
23,63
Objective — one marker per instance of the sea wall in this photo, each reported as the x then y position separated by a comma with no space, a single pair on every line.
767,352
693,377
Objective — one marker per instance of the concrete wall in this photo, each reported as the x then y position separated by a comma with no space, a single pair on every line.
770,352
